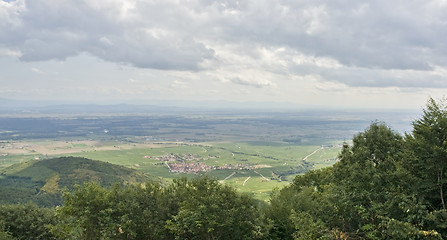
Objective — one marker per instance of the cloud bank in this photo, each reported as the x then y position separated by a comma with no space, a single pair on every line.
355,42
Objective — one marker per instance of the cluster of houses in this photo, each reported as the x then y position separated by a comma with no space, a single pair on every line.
176,157
191,163
194,167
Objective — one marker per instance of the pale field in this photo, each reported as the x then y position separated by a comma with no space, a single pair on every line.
50,148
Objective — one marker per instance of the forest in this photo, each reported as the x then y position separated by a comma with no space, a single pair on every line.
384,186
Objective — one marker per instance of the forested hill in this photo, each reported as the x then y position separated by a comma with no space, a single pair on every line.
384,186
41,181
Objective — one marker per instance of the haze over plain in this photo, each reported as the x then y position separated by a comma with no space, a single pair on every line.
349,54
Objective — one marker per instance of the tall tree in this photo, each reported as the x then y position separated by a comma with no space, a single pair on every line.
366,178
428,149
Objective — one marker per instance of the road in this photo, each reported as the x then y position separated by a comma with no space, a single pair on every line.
321,148
222,181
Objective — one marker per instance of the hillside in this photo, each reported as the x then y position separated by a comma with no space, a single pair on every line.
42,181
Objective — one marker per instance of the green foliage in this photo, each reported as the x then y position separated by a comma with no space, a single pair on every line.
6,236
306,196
201,208
384,186
214,211
395,229
365,179
25,221
308,228
428,153
94,212
42,181
140,211
90,210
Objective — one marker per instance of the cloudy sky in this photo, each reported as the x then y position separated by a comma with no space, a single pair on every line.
347,53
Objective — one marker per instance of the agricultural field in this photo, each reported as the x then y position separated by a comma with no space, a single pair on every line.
254,152
249,167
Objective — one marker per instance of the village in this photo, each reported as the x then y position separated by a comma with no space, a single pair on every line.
192,163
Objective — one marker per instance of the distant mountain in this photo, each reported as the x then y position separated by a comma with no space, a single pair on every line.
42,181
142,106
105,109
39,107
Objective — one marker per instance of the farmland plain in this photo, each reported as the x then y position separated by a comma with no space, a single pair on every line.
254,152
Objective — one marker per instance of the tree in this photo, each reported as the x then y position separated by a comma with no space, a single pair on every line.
214,211
384,186
139,211
25,221
428,150
201,208
85,213
309,228
367,178
299,210
129,212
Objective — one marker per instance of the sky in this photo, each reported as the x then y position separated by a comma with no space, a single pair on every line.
299,53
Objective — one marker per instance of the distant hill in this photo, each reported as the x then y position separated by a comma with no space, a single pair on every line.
42,181
9,106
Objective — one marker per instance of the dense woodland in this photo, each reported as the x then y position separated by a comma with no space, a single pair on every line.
384,186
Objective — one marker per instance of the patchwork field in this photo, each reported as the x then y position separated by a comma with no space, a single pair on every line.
249,167
254,152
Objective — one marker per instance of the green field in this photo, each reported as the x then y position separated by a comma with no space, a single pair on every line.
253,152
277,164
248,166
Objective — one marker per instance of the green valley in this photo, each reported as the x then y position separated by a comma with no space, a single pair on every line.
254,152
379,185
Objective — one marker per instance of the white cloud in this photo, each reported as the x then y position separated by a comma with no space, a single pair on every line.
9,53
10,13
178,84
262,44
115,31
169,35
327,86
259,83
36,70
